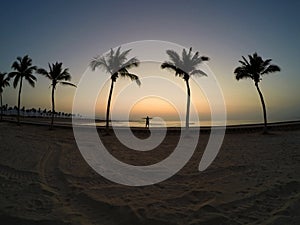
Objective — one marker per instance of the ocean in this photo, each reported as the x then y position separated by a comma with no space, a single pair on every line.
159,123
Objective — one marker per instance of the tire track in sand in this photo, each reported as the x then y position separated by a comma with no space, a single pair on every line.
52,180
73,205
20,176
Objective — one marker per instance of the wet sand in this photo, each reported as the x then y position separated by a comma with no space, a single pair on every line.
255,179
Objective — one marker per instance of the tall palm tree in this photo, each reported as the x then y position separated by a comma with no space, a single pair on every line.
116,64
57,75
254,69
4,82
185,67
23,69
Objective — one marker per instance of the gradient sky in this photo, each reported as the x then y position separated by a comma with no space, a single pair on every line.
75,31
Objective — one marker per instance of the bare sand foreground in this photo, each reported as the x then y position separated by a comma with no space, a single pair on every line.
255,179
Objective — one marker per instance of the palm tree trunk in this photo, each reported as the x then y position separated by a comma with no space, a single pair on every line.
187,116
1,105
108,104
19,101
53,107
263,106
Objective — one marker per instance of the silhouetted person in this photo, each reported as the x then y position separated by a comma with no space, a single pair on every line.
147,121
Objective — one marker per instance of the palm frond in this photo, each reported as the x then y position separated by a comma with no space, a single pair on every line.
94,63
19,58
16,66
30,76
174,56
240,76
4,78
132,77
242,73
110,59
271,69
30,80
118,52
64,75
119,57
196,61
266,62
16,80
13,74
196,55
125,73
245,60
168,65
133,62
31,68
43,72
243,63
198,73
99,62
4,81
124,54
204,58
67,83
184,55
190,52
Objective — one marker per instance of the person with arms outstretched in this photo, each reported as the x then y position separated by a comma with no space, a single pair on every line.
147,121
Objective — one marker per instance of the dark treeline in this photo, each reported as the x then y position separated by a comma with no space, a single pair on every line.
34,112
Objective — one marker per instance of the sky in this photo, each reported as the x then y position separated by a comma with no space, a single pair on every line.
73,32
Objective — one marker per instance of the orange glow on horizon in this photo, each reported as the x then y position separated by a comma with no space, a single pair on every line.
153,107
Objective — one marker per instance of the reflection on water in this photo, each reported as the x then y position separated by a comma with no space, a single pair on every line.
159,123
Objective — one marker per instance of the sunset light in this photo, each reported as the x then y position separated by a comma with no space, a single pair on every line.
149,112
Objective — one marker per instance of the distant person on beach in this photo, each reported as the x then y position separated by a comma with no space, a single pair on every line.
147,121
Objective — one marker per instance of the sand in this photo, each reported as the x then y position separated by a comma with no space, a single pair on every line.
255,179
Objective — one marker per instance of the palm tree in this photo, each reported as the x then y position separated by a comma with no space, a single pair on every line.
57,75
23,69
185,67
116,64
4,82
254,69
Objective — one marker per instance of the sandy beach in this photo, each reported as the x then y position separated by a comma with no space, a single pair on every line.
255,179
